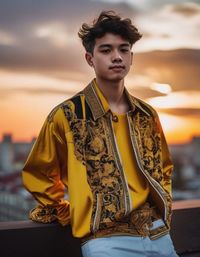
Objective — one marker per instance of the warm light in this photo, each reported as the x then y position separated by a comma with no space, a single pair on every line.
27,98
184,99
17,80
170,122
55,32
43,32
162,88
179,129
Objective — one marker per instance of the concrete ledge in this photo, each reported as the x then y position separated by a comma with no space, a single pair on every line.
27,238
185,227
186,204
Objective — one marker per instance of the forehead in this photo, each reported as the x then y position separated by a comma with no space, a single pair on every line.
110,39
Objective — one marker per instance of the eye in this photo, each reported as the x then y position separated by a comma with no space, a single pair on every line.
124,50
106,50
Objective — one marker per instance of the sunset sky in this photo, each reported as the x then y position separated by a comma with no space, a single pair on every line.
42,60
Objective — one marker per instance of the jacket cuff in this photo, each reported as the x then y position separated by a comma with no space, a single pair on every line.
49,213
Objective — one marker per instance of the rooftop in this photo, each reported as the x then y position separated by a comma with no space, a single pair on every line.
27,238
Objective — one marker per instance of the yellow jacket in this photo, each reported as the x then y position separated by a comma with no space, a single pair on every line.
76,149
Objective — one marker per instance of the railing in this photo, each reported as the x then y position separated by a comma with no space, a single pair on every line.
30,239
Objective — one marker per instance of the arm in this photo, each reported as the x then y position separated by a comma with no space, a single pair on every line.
45,173
167,163
167,171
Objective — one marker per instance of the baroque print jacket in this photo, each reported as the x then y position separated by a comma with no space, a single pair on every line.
77,150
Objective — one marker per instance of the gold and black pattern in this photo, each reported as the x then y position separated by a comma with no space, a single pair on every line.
93,101
148,138
169,209
137,223
92,148
78,127
43,214
103,176
149,143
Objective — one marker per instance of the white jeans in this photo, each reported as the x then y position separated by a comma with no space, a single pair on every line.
130,246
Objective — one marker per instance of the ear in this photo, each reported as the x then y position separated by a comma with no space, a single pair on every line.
131,58
89,58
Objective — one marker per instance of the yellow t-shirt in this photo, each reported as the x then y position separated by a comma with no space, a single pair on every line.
138,185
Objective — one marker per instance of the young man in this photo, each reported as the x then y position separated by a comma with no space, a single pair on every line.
108,149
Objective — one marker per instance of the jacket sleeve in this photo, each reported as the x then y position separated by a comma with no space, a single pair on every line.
167,163
167,171
45,172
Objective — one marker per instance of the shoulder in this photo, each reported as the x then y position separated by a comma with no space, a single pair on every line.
58,112
147,108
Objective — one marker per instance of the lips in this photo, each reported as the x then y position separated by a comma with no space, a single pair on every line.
117,67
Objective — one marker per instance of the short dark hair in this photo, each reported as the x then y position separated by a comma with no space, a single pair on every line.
108,22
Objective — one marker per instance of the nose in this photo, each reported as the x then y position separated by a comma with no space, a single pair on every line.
116,57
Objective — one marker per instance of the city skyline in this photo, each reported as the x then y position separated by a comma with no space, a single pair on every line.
42,61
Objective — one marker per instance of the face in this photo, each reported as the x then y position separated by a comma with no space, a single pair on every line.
111,58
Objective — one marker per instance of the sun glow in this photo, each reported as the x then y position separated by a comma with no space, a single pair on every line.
183,99
170,122
162,88
178,129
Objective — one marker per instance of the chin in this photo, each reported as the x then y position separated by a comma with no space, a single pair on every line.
117,78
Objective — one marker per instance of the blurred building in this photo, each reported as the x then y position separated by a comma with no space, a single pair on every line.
13,154
186,180
6,154
15,201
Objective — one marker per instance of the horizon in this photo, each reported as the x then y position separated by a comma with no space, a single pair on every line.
32,138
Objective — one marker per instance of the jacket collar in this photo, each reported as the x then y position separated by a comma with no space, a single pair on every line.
98,103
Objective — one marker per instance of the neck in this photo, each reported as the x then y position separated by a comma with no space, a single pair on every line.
114,94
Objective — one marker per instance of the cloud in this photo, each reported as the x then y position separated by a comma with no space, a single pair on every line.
41,35
44,40
17,84
194,112
46,33
28,13
144,92
55,32
182,99
187,9
7,38
175,68
178,68
167,26
41,56
146,5
58,21
35,91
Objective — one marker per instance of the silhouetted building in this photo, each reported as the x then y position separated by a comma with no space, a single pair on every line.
6,153
15,201
13,154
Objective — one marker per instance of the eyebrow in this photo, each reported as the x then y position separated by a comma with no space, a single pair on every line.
109,45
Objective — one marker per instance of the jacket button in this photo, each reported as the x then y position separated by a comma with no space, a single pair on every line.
115,118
